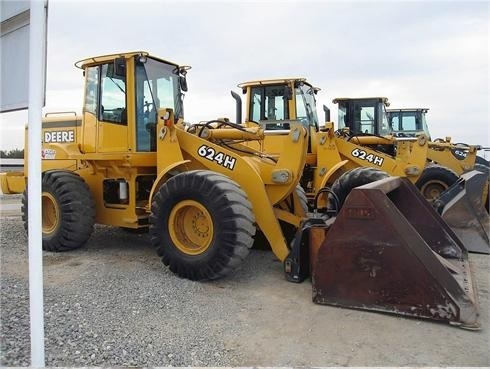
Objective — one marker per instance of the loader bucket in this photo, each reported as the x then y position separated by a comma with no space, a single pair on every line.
389,251
462,208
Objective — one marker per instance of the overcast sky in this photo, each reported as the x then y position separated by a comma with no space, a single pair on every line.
418,54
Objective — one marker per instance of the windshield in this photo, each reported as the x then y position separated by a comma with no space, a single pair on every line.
408,122
306,105
269,103
424,127
363,116
342,116
383,119
157,86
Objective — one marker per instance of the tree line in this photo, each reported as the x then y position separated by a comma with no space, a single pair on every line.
12,154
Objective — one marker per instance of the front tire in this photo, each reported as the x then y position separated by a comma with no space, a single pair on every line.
435,179
351,179
201,225
68,211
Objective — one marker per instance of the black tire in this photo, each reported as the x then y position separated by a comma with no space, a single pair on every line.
201,225
68,211
302,197
287,204
435,179
288,230
351,179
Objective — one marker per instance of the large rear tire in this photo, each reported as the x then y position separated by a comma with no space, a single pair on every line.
201,225
435,179
68,211
351,179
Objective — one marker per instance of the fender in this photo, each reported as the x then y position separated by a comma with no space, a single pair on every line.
163,176
331,171
326,178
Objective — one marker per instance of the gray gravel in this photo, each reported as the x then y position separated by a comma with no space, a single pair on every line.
103,310
112,303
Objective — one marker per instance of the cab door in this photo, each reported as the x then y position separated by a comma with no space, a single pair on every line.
89,127
112,111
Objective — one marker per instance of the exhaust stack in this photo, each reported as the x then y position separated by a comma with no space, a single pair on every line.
238,101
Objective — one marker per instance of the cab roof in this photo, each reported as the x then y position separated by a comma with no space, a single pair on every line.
379,98
103,58
275,82
425,110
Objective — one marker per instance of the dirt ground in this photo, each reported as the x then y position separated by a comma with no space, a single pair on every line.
275,322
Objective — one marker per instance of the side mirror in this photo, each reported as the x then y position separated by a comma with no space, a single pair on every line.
183,83
120,67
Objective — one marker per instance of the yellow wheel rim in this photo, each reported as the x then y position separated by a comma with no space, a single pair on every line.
433,189
191,227
50,213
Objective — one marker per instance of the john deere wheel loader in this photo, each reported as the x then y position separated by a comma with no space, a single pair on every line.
367,122
272,103
129,161
341,160
408,122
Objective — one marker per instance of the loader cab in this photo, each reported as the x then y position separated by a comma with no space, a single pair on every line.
122,96
158,84
272,103
408,122
363,115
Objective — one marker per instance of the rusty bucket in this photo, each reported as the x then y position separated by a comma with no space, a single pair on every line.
389,251
462,208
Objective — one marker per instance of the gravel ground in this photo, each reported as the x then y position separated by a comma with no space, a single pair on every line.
112,303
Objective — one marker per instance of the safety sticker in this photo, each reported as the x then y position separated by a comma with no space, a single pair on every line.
48,154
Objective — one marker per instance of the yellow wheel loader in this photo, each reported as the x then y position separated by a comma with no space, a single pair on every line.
356,154
367,121
408,122
130,161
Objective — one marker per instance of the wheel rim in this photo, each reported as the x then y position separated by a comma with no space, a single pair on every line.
433,189
191,227
50,213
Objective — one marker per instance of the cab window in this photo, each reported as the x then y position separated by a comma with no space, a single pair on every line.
91,92
113,96
269,103
410,122
157,86
364,117
394,121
